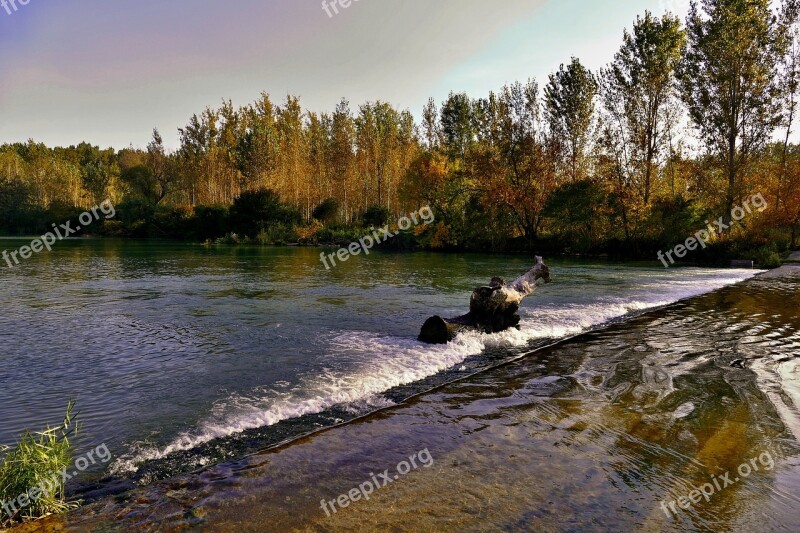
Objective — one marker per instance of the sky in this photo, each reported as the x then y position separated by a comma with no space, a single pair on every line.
108,72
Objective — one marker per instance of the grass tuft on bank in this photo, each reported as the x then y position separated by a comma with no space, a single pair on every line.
36,461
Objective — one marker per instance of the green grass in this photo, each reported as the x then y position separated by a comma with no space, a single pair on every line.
36,462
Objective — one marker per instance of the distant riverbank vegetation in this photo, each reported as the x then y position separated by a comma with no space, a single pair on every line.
686,120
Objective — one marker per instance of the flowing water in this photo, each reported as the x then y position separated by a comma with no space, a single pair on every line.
182,356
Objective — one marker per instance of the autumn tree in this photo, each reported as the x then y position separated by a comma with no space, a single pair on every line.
790,80
341,153
155,175
258,149
789,211
729,79
517,156
98,170
640,108
639,97
317,138
292,153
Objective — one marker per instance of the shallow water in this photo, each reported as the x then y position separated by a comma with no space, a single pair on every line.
183,356
601,432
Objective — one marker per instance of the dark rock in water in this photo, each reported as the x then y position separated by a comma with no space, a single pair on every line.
738,363
436,330
492,308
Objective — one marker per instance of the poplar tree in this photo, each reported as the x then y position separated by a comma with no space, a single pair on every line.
639,97
730,79
569,105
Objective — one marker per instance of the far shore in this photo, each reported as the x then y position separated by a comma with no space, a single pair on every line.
603,256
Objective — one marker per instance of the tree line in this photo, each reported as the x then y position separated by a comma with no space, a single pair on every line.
688,118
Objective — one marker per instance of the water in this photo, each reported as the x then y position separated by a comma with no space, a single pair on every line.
181,356
601,432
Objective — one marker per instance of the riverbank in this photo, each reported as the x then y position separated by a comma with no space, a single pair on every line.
716,257
596,432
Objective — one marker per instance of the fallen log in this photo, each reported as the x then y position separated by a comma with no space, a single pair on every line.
492,308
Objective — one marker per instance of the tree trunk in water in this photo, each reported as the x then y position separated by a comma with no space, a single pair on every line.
491,309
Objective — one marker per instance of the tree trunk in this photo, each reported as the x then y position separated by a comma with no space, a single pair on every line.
731,196
491,309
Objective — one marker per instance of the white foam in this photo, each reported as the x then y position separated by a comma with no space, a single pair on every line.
397,361
378,363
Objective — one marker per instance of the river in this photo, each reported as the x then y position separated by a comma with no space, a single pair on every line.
183,357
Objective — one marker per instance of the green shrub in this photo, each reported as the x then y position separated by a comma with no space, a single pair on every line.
171,222
575,212
338,236
277,234
210,221
327,211
254,211
230,238
36,461
376,216
113,228
767,257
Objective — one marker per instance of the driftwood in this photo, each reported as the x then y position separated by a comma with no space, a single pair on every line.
491,309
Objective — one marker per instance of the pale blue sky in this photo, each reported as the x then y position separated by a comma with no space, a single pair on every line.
108,72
